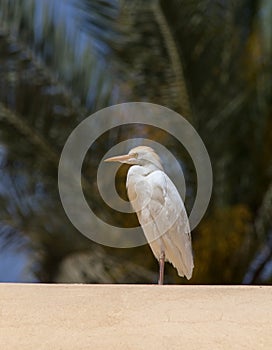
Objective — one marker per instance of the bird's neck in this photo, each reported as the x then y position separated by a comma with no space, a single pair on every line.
139,170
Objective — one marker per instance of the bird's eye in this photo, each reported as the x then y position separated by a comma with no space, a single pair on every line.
135,155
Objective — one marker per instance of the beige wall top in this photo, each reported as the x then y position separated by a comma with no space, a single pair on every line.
134,317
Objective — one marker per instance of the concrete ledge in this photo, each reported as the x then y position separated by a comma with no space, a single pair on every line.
134,317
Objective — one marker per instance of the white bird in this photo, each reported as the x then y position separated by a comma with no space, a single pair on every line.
160,210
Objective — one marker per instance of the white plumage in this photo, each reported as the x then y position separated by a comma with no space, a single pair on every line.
159,208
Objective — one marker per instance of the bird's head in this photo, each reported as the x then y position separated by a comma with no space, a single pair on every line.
141,155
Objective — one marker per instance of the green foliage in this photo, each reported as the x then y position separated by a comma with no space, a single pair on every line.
222,245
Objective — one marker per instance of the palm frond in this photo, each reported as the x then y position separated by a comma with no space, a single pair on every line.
178,81
53,31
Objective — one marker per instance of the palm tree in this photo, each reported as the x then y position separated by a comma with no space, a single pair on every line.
210,61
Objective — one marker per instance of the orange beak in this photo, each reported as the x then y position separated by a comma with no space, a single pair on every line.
121,159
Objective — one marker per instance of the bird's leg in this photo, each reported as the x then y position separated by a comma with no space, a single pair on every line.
161,261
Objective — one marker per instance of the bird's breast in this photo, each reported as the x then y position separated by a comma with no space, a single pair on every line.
146,190
138,188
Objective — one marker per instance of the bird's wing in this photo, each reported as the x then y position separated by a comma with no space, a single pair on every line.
164,220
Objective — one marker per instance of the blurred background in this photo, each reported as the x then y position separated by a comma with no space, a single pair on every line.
62,60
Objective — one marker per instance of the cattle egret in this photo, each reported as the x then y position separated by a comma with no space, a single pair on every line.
160,210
